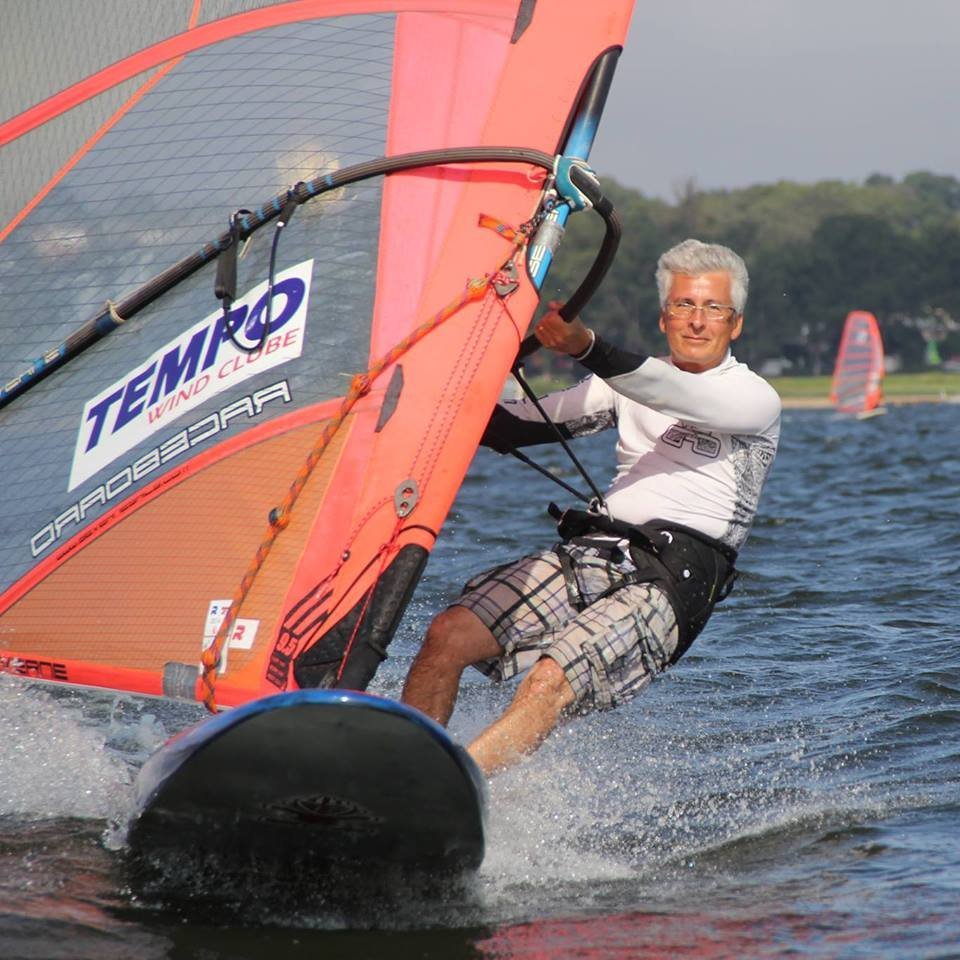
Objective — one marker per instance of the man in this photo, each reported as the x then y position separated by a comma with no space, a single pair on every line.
634,579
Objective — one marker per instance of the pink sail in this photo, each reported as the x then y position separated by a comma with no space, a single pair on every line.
261,475
858,374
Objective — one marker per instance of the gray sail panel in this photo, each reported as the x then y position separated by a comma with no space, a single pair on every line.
41,435
230,126
46,48
323,108
74,40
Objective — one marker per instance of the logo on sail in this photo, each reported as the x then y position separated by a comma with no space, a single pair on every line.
200,363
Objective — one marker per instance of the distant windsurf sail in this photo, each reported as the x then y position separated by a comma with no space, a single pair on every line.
858,374
264,268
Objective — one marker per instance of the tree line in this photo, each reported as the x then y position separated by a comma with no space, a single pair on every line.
814,253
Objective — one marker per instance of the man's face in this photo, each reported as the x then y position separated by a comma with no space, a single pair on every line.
698,342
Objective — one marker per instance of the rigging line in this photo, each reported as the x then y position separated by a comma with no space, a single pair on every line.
601,264
102,324
384,552
511,234
225,285
590,187
306,634
523,458
528,390
289,208
280,516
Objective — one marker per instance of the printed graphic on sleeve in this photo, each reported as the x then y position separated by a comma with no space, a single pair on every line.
700,442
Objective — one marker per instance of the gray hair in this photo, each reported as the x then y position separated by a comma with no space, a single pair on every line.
693,258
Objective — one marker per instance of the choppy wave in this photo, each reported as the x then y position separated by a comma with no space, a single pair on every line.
792,783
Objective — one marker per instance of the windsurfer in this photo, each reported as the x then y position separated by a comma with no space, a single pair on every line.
635,578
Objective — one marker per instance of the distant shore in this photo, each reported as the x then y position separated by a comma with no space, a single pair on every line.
813,393
824,403
898,389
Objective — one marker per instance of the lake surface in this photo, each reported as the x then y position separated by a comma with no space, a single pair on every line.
790,788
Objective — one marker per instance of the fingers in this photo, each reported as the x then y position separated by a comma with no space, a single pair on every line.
555,333
549,329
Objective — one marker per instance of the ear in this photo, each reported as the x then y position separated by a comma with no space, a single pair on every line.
737,327
663,323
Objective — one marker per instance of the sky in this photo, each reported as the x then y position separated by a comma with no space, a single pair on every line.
730,93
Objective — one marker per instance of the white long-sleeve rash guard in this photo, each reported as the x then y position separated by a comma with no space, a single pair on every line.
693,448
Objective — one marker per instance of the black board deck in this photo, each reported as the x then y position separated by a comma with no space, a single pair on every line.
337,778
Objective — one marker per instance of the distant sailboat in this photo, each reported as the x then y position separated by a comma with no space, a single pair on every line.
858,375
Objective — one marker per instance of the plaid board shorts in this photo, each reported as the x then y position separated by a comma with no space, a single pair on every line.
611,637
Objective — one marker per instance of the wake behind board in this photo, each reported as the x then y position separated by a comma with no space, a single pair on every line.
332,778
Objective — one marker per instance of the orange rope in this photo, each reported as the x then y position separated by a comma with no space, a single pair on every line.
280,517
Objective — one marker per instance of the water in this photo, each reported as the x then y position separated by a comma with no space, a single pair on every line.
792,788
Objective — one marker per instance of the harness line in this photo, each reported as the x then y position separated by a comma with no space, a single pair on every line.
598,497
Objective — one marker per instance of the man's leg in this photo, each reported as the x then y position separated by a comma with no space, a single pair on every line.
456,638
639,633
535,711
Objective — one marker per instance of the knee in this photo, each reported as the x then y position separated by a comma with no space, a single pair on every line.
458,637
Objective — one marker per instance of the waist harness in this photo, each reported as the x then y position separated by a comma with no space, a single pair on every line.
693,570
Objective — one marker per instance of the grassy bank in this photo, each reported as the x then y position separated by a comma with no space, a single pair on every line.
815,391
933,384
